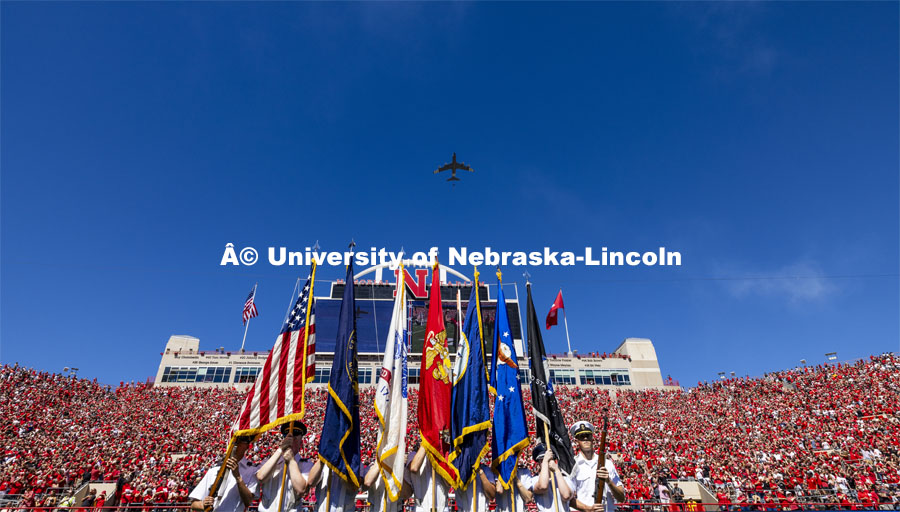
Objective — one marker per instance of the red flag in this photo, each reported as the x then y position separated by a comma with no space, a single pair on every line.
435,387
554,309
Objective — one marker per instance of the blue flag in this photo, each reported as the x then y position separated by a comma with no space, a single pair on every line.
510,430
471,415
339,445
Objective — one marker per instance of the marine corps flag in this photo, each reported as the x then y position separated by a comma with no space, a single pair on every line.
546,407
510,430
391,398
471,403
435,387
339,444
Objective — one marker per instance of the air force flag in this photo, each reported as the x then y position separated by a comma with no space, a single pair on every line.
510,430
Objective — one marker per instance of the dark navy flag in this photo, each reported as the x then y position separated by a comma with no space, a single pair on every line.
471,415
546,407
339,445
510,430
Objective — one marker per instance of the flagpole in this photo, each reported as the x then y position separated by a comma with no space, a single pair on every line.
549,452
458,327
214,489
290,302
284,474
433,490
281,493
328,493
566,322
247,325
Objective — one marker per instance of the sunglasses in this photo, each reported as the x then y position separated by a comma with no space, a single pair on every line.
584,437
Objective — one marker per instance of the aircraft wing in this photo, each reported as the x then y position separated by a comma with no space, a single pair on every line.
445,167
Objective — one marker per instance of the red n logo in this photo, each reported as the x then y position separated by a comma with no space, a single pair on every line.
416,286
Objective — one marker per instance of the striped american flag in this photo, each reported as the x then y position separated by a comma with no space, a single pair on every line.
250,306
277,396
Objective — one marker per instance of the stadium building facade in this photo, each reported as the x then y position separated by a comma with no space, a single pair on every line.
632,365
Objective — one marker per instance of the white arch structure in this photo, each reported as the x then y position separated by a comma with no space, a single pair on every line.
379,269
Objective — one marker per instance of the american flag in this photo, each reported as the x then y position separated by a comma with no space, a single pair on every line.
277,396
250,306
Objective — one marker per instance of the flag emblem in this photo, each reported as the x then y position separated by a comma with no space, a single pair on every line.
250,310
437,349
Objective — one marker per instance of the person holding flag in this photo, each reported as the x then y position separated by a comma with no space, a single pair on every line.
471,415
551,489
517,491
334,494
229,492
391,403
270,473
276,398
339,454
378,499
481,491
510,434
434,412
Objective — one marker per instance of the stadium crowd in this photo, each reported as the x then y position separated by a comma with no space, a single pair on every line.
823,437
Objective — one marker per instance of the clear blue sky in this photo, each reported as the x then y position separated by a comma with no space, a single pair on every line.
758,139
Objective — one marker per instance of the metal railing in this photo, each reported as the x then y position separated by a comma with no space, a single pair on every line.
634,505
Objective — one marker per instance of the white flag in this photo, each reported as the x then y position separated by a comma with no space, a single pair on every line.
391,398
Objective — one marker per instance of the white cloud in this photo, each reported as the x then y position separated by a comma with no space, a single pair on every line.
797,282
733,33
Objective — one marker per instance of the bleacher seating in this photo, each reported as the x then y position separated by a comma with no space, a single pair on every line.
811,434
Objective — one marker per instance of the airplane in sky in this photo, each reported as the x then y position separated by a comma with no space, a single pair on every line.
454,166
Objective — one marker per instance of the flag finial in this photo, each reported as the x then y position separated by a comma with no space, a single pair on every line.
499,274
316,247
476,272
527,277
352,244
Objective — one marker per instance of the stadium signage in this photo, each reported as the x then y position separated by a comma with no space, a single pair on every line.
598,364
416,281
417,286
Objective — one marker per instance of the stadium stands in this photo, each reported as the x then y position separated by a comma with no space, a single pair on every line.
788,440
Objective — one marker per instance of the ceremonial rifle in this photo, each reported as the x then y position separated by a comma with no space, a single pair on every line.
601,460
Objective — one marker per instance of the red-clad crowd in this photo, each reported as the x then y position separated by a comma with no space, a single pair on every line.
781,442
